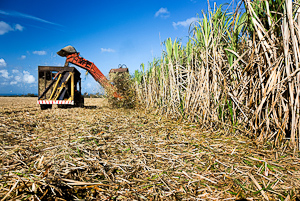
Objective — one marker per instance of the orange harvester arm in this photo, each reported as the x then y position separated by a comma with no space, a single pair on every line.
93,70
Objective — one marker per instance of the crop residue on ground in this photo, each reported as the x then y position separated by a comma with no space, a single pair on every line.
101,153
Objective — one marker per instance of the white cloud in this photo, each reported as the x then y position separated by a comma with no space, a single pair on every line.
18,78
107,50
13,82
23,57
163,13
4,28
185,23
19,27
27,78
42,52
5,74
2,63
22,15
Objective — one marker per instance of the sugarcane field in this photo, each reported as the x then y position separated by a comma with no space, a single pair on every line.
215,117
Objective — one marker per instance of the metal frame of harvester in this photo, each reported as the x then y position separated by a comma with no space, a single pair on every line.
59,85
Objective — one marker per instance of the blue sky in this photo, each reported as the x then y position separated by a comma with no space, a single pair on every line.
107,33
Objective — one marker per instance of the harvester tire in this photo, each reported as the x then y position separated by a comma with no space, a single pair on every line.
44,107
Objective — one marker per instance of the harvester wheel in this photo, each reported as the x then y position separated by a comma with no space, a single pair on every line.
44,107
62,106
81,104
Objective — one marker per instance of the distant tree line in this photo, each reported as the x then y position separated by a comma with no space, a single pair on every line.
18,95
85,95
96,95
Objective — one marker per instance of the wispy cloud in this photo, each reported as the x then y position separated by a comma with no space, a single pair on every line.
23,15
42,52
163,13
2,63
185,23
4,28
107,50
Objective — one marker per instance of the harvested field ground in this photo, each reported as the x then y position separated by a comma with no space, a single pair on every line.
99,153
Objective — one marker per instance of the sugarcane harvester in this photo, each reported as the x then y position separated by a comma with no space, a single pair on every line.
63,87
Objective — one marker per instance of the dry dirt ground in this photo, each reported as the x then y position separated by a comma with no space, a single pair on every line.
99,153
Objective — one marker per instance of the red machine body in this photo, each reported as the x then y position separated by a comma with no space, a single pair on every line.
72,56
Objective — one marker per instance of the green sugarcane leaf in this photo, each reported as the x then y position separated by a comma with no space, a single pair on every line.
169,47
175,47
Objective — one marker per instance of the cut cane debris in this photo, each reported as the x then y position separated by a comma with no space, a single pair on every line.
98,153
